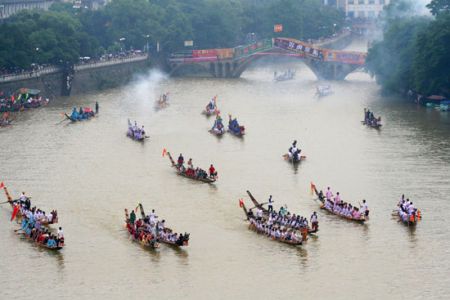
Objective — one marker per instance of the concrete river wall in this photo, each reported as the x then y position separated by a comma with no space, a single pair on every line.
82,78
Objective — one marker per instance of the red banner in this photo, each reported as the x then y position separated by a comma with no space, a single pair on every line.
278,28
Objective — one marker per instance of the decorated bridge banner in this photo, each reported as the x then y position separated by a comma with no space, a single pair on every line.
252,48
298,46
352,58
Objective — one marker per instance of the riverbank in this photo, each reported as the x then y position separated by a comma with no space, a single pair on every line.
56,81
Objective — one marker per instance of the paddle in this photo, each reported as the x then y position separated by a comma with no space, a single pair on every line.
65,119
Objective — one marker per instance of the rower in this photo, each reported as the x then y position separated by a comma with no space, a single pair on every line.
270,202
23,198
190,165
132,218
337,199
314,222
328,194
364,208
180,160
212,171
60,234
293,148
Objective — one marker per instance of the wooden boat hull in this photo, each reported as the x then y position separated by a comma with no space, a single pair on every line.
79,120
291,159
57,248
322,206
206,180
217,133
377,126
266,211
253,228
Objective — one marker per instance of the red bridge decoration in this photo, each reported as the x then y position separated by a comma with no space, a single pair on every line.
232,62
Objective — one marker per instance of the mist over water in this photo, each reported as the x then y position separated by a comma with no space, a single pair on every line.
91,171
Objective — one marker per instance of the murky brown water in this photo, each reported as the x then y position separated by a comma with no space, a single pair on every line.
90,172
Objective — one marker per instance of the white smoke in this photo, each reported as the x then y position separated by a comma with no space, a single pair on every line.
145,89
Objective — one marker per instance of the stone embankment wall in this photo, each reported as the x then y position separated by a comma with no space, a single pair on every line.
86,77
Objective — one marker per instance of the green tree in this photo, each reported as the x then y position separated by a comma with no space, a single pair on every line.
391,60
431,62
438,7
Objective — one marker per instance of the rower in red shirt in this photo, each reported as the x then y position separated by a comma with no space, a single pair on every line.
212,171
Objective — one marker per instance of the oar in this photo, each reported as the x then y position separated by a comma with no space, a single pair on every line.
65,119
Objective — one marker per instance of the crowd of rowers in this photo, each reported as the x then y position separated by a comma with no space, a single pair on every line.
20,102
294,152
211,107
282,225
339,207
195,172
369,118
407,211
32,223
135,132
218,127
84,113
150,231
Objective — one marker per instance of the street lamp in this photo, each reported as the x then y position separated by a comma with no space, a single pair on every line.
122,39
147,47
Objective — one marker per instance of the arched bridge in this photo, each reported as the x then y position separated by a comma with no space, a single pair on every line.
231,62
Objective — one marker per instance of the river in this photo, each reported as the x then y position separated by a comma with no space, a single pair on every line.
90,172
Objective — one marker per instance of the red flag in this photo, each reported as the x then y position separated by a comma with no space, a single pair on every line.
2,185
15,211
164,152
241,203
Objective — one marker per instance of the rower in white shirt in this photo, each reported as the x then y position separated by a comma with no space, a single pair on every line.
329,193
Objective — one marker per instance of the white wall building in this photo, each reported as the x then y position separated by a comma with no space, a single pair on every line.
365,9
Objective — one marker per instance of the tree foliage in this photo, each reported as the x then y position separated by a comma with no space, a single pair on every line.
413,54
64,33
439,6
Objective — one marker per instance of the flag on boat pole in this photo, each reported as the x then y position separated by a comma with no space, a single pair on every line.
15,211
313,187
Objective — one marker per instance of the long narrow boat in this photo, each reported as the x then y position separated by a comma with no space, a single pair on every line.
237,130
143,239
266,212
291,159
250,217
160,236
43,222
217,132
87,115
371,121
369,124
56,248
408,219
183,173
322,206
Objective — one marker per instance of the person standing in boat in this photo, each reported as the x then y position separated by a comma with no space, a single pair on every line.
23,198
180,160
96,107
337,199
314,222
364,208
212,171
328,194
270,204
132,217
